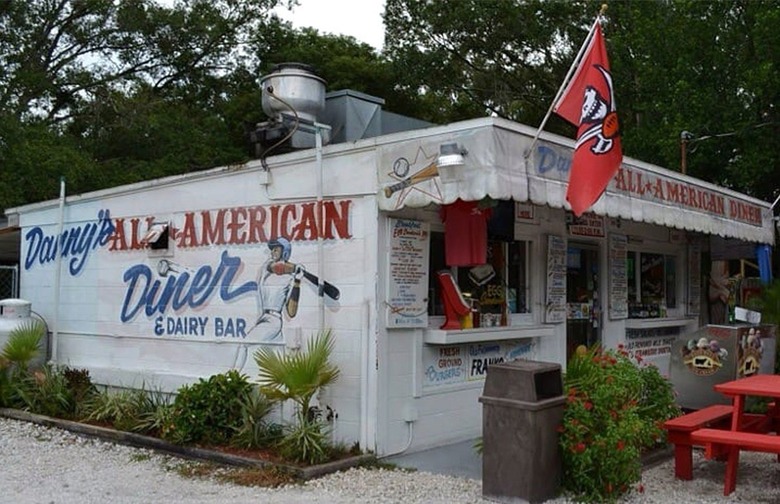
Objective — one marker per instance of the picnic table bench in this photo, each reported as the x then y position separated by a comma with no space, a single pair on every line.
716,440
679,431
716,416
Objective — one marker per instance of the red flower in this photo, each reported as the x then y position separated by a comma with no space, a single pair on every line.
613,414
640,488
580,447
621,445
588,405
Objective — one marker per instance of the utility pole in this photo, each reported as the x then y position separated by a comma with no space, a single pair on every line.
685,137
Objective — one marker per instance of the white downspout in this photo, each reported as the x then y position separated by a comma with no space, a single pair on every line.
365,359
318,128
57,274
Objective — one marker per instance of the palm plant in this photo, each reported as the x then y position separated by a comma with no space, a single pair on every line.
23,344
297,376
15,357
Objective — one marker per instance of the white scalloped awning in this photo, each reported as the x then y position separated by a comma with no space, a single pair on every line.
495,166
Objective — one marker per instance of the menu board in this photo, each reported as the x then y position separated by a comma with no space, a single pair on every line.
618,277
555,300
692,307
407,273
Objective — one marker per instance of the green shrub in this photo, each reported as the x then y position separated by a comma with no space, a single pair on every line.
122,409
5,386
79,382
153,412
255,431
614,411
45,392
209,411
305,441
657,402
768,303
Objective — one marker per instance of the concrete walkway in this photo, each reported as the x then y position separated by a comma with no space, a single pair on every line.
459,459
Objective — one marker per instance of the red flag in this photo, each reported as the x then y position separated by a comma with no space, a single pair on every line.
588,102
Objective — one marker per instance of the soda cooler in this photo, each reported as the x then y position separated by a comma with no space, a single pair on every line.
716,354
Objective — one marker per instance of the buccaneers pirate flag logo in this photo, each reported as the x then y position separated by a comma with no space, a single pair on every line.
588,102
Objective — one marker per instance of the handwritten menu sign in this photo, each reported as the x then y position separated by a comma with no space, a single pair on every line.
407,275
694,279
618,277
555,301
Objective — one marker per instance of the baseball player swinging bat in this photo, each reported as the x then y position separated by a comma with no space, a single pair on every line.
328,288
426,173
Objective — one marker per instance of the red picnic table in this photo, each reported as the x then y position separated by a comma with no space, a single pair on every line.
744,435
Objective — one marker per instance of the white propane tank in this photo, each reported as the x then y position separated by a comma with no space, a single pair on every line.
14,313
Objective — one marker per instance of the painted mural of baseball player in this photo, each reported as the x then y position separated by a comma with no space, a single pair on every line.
278,289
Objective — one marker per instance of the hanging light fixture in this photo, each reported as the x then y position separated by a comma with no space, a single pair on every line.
451,162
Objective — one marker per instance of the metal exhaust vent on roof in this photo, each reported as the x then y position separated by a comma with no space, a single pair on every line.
293,96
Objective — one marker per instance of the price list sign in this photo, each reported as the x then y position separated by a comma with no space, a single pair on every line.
618,277
555,302
407,274
694,279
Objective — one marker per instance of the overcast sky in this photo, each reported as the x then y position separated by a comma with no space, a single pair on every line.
361,19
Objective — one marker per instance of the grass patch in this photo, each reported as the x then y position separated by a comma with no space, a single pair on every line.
256,477
271,477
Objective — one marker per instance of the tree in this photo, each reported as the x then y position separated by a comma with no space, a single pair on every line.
106,92
57,53
478,57
710,68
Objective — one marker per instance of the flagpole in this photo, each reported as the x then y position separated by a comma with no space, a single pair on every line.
566,79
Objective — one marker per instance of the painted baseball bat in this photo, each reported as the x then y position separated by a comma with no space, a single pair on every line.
426,173
328,288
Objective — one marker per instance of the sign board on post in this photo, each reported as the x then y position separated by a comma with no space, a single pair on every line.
407,273
555,300
618,277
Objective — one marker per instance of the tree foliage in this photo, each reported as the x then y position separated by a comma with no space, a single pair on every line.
709,68
106,92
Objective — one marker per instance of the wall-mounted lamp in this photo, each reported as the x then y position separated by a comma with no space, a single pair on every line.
450,162
448,166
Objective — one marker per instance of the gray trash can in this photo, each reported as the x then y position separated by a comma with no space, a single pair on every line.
522,407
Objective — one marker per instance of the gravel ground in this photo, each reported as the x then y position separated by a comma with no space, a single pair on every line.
40,465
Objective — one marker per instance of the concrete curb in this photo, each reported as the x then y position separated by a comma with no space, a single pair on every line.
201,454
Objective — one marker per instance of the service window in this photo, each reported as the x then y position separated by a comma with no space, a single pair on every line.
651,284
498,288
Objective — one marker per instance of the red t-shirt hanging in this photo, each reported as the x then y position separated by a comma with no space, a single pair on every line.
465,233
